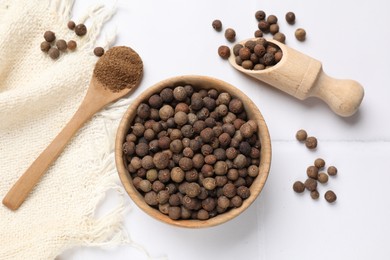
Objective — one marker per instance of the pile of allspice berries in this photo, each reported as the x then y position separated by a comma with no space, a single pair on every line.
315,173
54,47
192,153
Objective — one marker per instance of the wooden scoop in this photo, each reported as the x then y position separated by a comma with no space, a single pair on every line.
302,76
98,96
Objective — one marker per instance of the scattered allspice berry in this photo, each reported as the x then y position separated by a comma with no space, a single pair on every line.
301,135
310,184
54,53
290,17
98,51
299,187
61,45
230,34
314,194
80,30
45,46
224,52
217,25
312,172
49,36
280,37
323,177
71,25
311,142
330,196
332,170
260,15
72,45
300,34
319,163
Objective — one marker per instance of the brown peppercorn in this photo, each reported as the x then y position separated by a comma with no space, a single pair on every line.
174,199
151,198
196,101
223,202
163,196
164,208
143,111
236,106
145,185
166,95
209,204
164,142
49,36
260,15
253,171
207,135
161,160
166,112
300,34
174,212
301,135
330,196
240,161
243,191
220,168
54,53
187,131
98,51
181,118
177,174
224,52
61,45
45,46
185,163
157,185
147,163
311,184
191,175
247,130
274,28
203,214
179,93
80,30
210,159
311,142
258,33
323,177
236,49
72,45
298,187
263,26
278,56
209,183
319,163
245,148
272,19
236,201
192,189
229,190
259,67
280,37
332,170
71,25
290,17
312,172
191,203
314,194
155,101
230,34
217,25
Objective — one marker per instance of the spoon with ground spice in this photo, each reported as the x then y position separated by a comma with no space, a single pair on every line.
116,73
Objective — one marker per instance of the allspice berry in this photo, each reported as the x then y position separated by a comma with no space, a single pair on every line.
72,45
49,36
300,34
177,175
217,25
54,53
61,45
71,25
301,135
311,184
224,52
330,196
280,37
319,163
311,142
312,172
314,194
230,34
98,51
45,46
322,177
80,30
332,170
260,15
298,187
290,17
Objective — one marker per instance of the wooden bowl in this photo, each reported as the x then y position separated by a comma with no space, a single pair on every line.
198,82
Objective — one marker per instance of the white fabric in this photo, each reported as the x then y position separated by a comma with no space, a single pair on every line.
38,96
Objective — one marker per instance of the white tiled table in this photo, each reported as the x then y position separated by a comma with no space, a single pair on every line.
351,39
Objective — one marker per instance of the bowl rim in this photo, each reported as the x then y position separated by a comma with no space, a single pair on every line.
201,82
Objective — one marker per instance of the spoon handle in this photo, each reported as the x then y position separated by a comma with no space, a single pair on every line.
21,189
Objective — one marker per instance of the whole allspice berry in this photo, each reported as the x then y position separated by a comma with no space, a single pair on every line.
71,25
314,194
260,15
298,187
332,170
98,51
323,177
80,30
49,36
72,45
224,52
272,19
300,34
54,53
61,45
45,46
311,142
319,163
290,17
217,25
280,37
312,172
230,34
301,135
330,196
311,184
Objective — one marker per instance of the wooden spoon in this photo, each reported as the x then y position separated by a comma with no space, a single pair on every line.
302,76
98,96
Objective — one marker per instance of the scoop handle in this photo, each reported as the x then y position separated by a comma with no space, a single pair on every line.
343,96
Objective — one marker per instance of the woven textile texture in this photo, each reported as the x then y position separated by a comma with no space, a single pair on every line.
38,96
